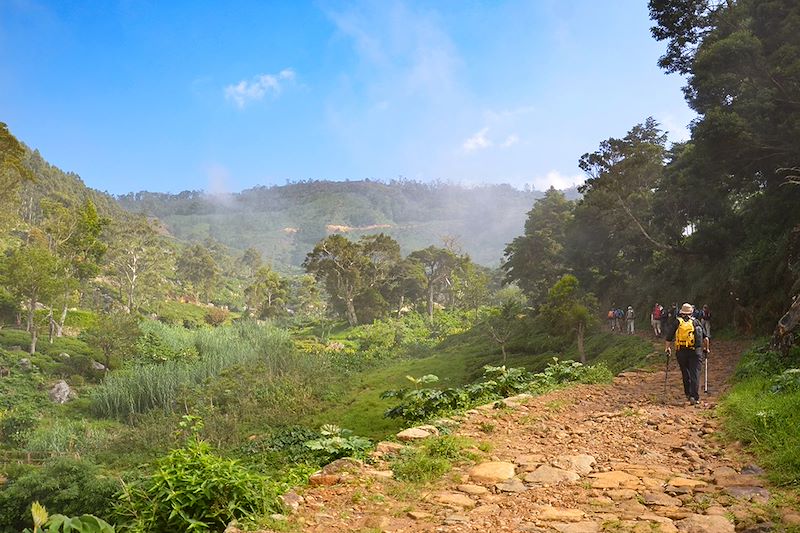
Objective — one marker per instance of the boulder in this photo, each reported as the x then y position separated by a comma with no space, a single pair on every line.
492,472
61,392
63,355
25,364
100,367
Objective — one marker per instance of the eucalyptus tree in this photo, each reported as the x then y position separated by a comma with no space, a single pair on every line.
197,266
340,264
438,265
74,235
267,295
32,274
138,261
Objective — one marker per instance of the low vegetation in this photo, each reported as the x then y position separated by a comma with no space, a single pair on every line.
761,411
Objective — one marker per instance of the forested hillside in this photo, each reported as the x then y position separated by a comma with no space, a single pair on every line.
189,362
284,222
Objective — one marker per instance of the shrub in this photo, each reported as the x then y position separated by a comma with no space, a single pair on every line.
17,424
336,442
416,466
192,489
72,486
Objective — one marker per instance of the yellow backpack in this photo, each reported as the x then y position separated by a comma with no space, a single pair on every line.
684,336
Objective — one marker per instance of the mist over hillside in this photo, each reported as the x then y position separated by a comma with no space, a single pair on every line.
284,222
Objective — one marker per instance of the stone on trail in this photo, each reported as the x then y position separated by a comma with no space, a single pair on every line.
581,464
419,515
413,434
659,498
475,490
492,472
758,494
548,475
698,523
684,482
560,514
345,464
511,485
577,527
389,448
454,499
613,480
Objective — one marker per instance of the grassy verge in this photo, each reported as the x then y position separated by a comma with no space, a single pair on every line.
762,411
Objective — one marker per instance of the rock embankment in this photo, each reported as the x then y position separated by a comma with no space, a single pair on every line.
618,458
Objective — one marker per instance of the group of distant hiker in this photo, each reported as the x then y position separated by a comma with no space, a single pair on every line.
689,328
617,317
660,317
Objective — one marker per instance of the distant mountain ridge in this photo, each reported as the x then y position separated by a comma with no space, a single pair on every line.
284,222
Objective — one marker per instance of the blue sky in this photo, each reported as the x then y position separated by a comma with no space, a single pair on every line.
199,94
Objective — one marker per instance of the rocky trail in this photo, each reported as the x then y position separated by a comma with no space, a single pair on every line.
617,458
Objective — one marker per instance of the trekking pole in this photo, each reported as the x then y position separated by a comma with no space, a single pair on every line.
705,385
666,374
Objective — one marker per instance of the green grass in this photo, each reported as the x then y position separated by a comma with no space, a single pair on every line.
764,417
356,403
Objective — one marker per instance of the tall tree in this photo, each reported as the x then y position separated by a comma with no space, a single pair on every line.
570,312
138,261
268,293
339,263
536,259
197,266
437,266
32,274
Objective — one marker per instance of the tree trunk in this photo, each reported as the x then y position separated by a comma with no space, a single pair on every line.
430,302
51,326
503,349
352,319
581,350
31,311
60,323
34,338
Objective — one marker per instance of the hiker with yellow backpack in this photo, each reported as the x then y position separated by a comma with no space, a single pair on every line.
692,345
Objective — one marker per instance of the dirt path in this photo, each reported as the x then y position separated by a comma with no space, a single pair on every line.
590,458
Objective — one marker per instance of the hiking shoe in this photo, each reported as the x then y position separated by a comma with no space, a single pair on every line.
694,401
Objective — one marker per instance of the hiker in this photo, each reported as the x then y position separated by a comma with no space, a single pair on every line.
706,319
691,344
629,317
664,320
655,319
618,316
611,318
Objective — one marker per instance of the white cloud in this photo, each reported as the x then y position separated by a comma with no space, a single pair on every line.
478,141
511,140
558,180
245,91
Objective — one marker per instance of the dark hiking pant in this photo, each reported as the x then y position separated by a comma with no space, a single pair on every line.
689,361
